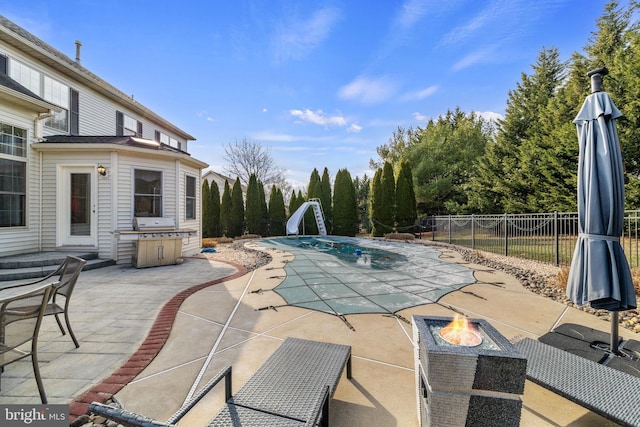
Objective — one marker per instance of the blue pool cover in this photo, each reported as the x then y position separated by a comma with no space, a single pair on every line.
342,275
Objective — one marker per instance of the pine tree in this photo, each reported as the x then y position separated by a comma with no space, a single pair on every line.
405,200
363,189
206,210
252,212
326,199
277,214
386,221
214,197
225,211
345,213
314,191
263,223
236,219
376,204
505,178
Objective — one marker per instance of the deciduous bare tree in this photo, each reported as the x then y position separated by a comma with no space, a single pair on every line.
246,158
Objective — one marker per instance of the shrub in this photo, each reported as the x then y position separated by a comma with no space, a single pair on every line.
399,236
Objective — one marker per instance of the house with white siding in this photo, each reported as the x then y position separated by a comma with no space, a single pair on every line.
79,159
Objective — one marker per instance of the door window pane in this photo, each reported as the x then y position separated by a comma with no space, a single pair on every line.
80,204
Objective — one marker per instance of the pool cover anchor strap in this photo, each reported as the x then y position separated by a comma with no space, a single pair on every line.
344,319
399,317
270,307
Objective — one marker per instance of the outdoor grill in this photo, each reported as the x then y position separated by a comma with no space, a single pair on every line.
467,385
156,241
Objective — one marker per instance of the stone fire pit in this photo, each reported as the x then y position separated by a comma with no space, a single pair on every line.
475,385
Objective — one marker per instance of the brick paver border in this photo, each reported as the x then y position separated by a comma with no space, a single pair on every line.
147,351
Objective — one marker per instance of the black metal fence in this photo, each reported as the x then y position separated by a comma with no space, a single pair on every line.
544,237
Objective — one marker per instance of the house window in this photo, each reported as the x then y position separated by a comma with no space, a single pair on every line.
190,197
13,141
147,193
13,176
49,89
127,125
167,140
26,76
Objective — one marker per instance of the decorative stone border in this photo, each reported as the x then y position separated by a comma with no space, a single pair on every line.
147,351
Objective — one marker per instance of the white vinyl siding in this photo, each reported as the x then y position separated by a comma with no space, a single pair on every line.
16,240
96,116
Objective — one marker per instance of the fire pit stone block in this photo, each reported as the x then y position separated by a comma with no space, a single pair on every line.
488,378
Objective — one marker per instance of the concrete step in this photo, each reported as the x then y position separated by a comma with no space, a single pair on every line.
31,266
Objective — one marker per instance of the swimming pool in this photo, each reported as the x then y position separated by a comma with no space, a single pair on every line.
344,275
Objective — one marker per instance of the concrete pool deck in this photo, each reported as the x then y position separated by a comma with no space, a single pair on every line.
220,325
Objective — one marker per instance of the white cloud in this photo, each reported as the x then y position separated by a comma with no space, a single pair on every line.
367,90
412,11
420,117
490,115
355,128
264,110
477,57
295,39
318,117
421,94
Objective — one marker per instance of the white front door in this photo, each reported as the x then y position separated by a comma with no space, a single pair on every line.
77,206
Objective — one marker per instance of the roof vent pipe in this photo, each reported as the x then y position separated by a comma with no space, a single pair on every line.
78,46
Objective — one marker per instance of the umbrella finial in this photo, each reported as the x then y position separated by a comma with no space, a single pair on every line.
596,78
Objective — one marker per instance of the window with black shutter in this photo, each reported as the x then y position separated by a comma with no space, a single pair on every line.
75,113
119,123
3,64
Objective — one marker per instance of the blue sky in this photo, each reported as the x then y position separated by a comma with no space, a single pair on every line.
317,83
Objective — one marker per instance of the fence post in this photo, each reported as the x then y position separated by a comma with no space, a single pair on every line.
473,232
556,239
506,235
434,227
449,228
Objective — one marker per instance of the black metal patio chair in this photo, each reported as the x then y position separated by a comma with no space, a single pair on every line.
67,276
21,315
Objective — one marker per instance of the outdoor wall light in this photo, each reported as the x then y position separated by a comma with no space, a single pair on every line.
102,170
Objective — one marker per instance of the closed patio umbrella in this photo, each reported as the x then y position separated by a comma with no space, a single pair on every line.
600,273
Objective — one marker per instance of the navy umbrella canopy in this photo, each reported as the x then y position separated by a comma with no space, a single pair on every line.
600,273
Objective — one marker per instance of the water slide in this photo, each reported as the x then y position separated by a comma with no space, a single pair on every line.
294,222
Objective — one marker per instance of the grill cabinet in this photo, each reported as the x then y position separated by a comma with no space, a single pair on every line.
156,241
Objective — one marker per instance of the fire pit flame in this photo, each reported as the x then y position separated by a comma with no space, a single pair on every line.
461,332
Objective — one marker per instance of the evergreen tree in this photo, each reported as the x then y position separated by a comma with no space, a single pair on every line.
618,48
206,210
386,220
252,212
326,199
405,200
314,191
345,213
376,204
236,220
363,189
263,223
503,182
214,197
295,202
225,211
277,214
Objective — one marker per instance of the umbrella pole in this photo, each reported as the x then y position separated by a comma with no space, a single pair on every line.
614,332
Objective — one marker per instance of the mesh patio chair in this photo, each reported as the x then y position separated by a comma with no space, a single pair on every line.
67,276
20,319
